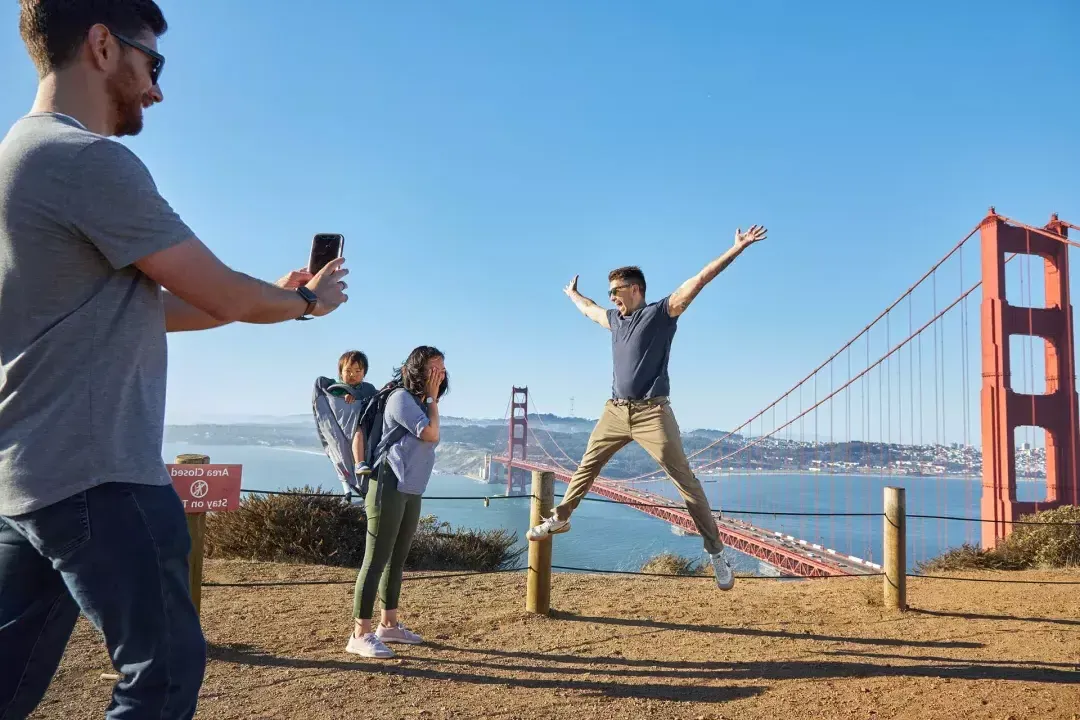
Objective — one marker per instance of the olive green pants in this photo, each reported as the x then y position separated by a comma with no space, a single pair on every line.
390,529
652,425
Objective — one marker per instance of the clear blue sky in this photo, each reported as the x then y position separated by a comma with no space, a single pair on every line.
477,155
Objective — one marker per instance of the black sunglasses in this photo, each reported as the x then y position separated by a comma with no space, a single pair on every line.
615,290
158,59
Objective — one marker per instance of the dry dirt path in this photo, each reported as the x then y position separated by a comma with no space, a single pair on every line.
626,648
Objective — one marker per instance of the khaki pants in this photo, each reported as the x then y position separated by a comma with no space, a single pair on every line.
653,427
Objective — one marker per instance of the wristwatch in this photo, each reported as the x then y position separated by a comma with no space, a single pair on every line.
311,302
429,400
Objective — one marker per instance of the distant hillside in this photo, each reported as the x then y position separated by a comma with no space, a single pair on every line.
467,441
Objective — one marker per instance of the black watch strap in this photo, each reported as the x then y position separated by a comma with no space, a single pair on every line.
311,302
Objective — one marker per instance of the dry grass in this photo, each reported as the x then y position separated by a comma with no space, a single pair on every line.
671,564
319,528
1027,547
437,546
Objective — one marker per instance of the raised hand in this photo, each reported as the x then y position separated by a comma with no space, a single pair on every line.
435,377
329,287
294,279
571,289
751,236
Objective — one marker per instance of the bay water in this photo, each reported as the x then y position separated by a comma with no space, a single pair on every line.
606,536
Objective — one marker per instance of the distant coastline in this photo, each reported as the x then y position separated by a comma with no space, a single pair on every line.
706,476
466,443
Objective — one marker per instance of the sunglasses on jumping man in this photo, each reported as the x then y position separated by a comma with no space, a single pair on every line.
158,59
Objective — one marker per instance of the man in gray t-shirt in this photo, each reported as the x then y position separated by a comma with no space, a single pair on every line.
95,268
641,335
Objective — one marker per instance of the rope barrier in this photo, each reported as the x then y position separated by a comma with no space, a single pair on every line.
702,577
637,573
761,513
485,498
991,520
569,568
288,583
991,580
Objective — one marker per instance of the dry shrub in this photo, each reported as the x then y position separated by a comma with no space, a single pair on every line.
438,547
671,564
319,528
1027,547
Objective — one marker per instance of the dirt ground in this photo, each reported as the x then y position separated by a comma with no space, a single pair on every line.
618,647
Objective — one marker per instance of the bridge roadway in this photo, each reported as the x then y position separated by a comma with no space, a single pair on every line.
793,557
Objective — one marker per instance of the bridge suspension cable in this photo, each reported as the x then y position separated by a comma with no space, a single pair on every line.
544,427
846,346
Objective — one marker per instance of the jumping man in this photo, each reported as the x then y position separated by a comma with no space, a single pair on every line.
639,410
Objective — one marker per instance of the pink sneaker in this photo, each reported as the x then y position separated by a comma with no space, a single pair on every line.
399,634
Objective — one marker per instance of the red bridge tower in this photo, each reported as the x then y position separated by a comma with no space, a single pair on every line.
1003,409
519,438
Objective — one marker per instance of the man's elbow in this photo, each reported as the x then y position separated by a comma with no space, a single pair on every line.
430,434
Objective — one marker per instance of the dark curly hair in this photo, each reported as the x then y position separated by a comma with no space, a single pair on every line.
54,30
412,374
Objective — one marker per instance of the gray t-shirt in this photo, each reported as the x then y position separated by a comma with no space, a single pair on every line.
411,458
640,348
82,345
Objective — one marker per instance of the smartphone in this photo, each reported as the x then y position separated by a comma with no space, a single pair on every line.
324,248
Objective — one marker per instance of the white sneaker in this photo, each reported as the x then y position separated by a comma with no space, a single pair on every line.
551,526
725,578
399,634
368,645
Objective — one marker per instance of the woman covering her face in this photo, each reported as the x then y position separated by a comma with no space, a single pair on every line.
393,499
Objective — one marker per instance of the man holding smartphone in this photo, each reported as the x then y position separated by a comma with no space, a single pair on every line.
95,268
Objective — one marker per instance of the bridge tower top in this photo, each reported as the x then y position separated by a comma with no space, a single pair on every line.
517,446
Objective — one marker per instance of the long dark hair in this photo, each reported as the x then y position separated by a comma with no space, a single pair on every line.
412,374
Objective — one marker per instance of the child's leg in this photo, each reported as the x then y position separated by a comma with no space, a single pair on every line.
359,453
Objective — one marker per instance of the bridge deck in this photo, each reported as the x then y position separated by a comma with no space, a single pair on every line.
789,554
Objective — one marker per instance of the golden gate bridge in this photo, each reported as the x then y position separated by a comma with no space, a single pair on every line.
889,409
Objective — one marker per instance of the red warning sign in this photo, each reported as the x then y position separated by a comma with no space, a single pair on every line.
207,488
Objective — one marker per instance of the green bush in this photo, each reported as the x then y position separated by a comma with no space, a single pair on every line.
1026,547
671,564
319,528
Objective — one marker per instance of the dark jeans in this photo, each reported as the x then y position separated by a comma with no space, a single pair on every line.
118,553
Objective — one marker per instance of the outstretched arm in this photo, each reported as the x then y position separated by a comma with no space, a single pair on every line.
590,309
681,298
182,316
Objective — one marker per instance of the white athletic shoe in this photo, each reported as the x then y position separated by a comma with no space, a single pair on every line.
551,526
368,645
725,578
399,634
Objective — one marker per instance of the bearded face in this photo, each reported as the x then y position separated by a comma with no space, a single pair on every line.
127,96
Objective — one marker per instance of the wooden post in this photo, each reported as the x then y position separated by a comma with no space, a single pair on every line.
196,523
895,551
538,589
